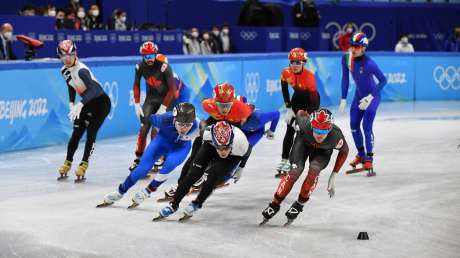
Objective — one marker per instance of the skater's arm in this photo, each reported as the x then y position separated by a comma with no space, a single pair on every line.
345,77
272,117
285,89
72,93
342,156
136,86
380,76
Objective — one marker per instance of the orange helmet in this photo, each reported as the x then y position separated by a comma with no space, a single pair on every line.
224,93
148,47
298,54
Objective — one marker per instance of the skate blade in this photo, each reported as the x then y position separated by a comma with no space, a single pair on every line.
62,177
158,218
371,173
132,206
104,204
355,170
80,180
289,222
263,222
166,199
221,185
185,218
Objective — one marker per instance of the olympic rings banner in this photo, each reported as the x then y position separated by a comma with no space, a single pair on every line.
34,98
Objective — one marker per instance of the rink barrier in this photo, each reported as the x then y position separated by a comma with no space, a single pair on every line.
34,98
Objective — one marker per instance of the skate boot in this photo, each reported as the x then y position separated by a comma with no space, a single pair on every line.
169,194
368,166
293,212
134,165
358,160
282,168
269,212
139,198
64,169
80,172
110,198
165,212
190,210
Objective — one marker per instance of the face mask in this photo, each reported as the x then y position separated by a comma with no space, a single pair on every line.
95,13
206,36
404,40
8,35
81,15
51,13
349,30
195,34
225,31
123,18
215,32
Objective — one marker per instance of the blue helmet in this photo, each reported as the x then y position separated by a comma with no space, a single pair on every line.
359,39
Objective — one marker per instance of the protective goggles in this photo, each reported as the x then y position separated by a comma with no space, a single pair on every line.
221,105
150,56
296,62
224,148
184,125
65,56
321,131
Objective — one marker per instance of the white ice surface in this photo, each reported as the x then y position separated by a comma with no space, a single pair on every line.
410,209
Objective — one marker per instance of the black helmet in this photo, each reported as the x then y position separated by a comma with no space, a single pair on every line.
184,112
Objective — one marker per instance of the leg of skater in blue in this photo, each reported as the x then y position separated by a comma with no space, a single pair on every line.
155,149
368,121
356,116
174,158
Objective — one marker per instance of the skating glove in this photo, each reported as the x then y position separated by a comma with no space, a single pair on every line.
331,184
139,112
75,111
161,110
270,135
237,174
365,102
343,105
289,116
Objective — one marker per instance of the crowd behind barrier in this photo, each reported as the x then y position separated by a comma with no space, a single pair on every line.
34,98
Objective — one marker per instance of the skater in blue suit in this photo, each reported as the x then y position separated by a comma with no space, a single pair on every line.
366,100
176,130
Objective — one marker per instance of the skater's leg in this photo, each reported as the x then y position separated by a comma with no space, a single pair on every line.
148,108
78,131
195,148
318,161
356,116
287,141
368,121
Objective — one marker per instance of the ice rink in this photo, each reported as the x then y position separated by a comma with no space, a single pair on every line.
410,209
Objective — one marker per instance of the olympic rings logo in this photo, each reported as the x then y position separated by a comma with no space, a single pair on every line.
248,35
252,85
111,89
367,27
447,77
305,35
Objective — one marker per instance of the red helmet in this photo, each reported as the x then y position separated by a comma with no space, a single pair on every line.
148,47
222,134
224,93
66,47
297,54
321,119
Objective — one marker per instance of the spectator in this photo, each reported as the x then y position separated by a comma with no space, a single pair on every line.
60,19
74,5
69,21
191,43
216,41
225,39
80,20
28,10
6,36
50,11
206,44
452,43
344,37
93,21
404,46
305,14
120,21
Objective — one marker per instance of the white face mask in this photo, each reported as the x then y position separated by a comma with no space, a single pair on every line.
123,18
95,13
225,31
8,35
215,32
81,15
195,34
349,30
52,13
206,36
404,40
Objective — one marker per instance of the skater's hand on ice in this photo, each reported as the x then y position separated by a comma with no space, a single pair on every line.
270,135
343,105
289,116
139,112
331,184
161,110
75,111
365,102
237,174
